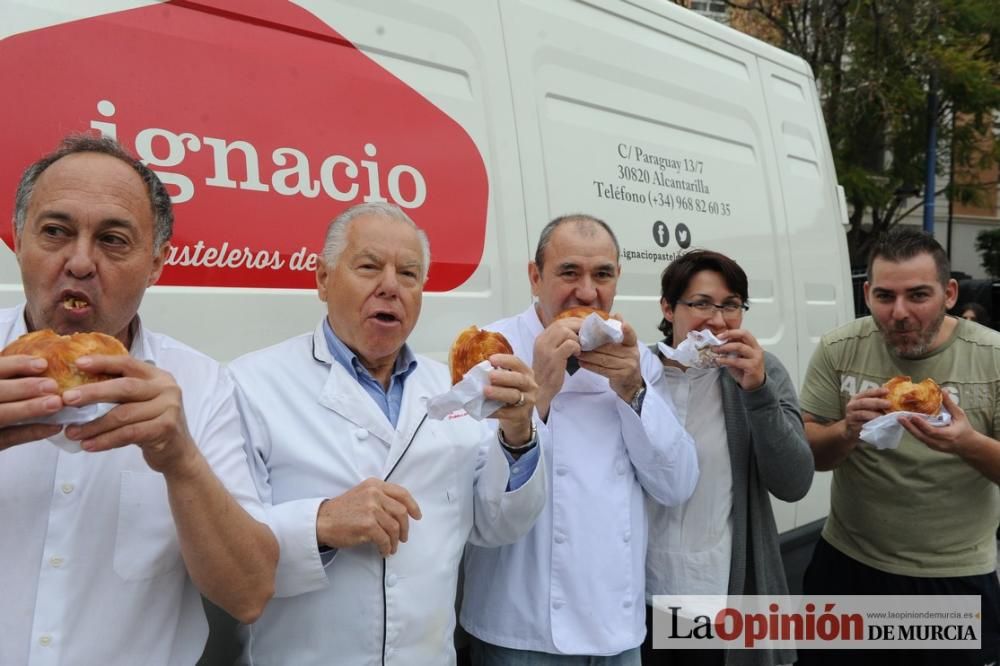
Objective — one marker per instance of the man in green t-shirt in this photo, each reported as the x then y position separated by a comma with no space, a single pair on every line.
921,518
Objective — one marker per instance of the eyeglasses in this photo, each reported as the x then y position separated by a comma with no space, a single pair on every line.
708,308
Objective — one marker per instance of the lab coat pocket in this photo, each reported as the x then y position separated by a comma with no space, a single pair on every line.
146,542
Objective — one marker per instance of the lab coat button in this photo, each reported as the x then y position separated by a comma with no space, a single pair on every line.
560,538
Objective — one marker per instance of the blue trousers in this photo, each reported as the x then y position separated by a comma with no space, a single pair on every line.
486,654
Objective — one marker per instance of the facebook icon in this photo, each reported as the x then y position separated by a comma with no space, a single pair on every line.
661,234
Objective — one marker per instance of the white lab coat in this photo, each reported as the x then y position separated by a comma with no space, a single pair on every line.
308,422
575,584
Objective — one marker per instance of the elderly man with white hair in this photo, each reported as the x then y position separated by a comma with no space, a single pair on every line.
372,501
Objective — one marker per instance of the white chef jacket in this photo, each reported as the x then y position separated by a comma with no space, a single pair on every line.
315,434
575,584
90,565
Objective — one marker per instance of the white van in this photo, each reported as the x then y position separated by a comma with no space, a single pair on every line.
483,118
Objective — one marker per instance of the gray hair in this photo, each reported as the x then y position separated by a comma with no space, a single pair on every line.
336,233
159,198
583,221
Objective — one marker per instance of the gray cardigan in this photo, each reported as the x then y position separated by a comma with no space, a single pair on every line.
769,454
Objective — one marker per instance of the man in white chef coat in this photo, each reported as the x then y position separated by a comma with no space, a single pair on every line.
103,551
573,588
372,501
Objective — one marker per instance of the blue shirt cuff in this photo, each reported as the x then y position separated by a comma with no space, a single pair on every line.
522,468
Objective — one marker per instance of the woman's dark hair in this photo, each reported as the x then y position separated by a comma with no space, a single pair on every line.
981,315
678,275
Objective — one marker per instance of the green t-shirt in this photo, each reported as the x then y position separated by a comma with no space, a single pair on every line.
912,510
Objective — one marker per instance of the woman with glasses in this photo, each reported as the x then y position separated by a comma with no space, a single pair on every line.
745,421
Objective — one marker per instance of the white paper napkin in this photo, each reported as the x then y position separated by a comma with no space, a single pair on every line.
695,351
73,416
885,432
597,331
466,394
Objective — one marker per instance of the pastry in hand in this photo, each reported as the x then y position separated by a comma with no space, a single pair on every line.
905,396
472,347
61,351
581,311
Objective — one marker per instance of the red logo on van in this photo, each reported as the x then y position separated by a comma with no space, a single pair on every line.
263,124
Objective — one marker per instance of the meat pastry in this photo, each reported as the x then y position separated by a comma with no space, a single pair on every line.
61,351
581,311
905,396
473,346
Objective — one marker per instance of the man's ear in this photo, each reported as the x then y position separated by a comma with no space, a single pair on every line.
867,286
951,294
159,261
322,272
534,277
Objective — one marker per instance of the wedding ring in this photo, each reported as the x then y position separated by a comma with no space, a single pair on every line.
520,401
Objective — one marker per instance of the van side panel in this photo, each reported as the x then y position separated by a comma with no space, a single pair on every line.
822,290
662,133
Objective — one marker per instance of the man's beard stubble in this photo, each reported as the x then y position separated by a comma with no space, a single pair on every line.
917,348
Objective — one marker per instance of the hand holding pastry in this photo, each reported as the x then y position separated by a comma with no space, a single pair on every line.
952,438
149,412
25,394
513,383
743,357
553,347
862,408
35,370
619,362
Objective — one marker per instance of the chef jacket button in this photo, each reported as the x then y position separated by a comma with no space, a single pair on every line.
390,580
627,603
560,538
557,604
561,471
67,488
361,433
627,537
45,640
56,561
